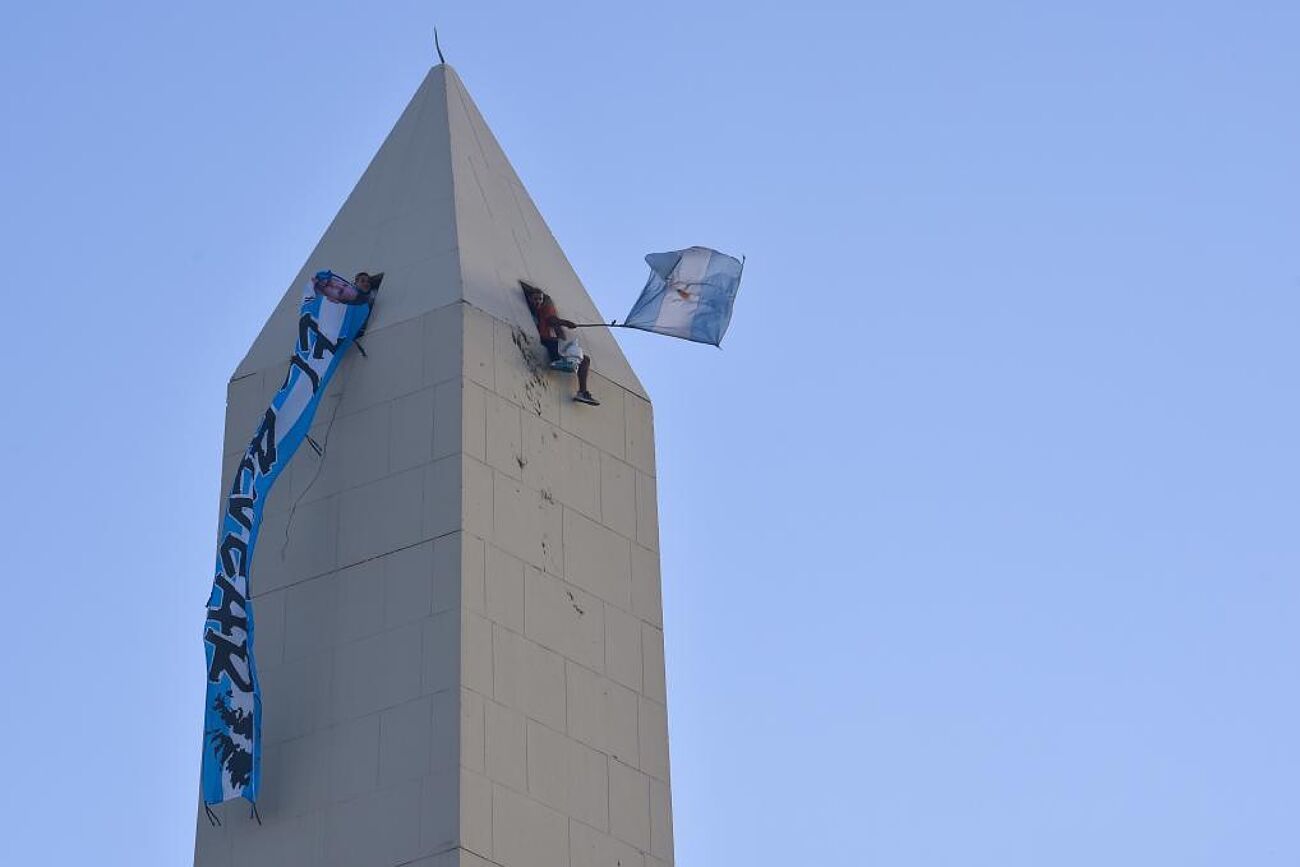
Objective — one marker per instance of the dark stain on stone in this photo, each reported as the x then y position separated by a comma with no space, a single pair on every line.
535,387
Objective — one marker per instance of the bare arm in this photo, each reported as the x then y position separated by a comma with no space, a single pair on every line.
558,325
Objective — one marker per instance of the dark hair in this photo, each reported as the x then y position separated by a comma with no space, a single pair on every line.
375,279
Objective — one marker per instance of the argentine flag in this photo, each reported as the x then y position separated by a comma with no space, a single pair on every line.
689,295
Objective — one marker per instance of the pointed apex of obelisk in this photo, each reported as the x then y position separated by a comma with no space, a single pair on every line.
442,213
503,239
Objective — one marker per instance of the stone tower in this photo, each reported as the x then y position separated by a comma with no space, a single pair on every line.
459,629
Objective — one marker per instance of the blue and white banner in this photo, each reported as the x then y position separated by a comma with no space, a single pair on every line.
233,720
689,295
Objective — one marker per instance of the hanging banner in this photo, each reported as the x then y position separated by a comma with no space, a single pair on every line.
332,315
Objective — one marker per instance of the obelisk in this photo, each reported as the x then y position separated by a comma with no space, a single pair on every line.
459,625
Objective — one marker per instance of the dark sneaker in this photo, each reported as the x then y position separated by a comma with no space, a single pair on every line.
585,397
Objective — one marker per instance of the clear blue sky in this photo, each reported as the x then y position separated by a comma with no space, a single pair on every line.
980,537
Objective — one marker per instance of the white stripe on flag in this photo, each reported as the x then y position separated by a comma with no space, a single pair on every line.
330,318
682,298
294,403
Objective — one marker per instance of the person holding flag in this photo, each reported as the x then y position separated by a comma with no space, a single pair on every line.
690,295
550,328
